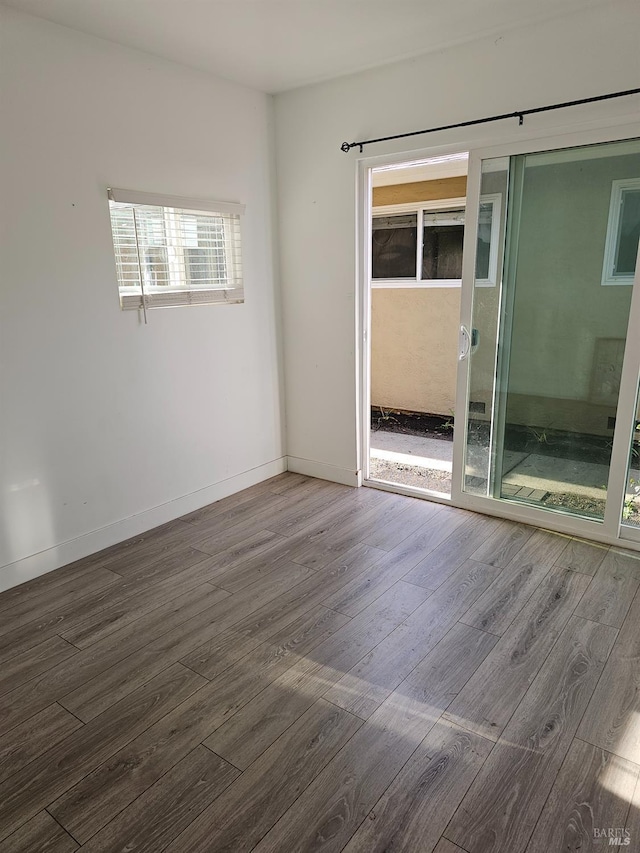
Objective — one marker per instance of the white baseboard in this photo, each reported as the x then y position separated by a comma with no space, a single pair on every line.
323,471
66,552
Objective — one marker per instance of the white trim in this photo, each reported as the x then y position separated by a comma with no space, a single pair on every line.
323,471
364,200
59,555
474,176
613,228
176,201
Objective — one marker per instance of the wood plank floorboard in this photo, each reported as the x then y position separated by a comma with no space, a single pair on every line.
167,807
93,696
500,810
41,834
417,806
627,559
371,680
135,555
499,606
33,737
253,804
500,548
632,824
592,791
28,612
100,795
454,551
111,618
610,593
35,695
353,563
395,531
81,609
247,734
332,808
28,664
303,667
611,720
50,581
487,702
394,565
581,556
445,846
41,781
318,545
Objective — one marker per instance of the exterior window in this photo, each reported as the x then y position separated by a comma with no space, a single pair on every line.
394,246
170,254
623,232
431,239
442,239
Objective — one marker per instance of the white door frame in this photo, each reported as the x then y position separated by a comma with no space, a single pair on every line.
609,531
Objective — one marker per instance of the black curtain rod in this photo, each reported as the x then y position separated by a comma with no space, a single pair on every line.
519,114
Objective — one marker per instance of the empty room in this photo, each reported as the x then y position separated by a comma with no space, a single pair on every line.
320,426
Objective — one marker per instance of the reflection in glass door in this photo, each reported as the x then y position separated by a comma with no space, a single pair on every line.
631,505
547,341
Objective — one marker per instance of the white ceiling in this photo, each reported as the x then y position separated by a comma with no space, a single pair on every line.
274,45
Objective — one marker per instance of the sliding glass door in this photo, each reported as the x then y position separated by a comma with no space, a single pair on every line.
544,342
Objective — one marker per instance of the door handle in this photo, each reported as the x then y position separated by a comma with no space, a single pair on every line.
464,344
468,342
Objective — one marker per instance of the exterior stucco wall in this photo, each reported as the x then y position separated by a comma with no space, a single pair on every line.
414,339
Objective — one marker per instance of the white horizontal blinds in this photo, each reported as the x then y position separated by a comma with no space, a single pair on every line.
171,256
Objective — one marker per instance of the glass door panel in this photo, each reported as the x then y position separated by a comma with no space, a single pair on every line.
483,338
631,506
548,341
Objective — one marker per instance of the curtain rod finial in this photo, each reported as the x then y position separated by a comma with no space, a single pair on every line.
345,147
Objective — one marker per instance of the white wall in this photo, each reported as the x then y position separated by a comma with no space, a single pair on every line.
102,418
588,54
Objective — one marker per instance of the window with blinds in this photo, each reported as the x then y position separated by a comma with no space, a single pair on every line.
174,251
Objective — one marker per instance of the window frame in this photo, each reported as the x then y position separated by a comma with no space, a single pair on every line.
609,278
456,203
181,291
